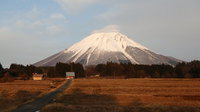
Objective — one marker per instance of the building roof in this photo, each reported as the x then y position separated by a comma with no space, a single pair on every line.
38,75
70,74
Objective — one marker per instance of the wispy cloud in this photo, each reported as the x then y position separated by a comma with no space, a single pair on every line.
165,26
157,23
109,28
3,29
75,6
55,29
34,24
25,31
57,16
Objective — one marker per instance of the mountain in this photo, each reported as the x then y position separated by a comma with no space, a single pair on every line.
100,48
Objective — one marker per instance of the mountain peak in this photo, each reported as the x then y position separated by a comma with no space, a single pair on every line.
112,33
106,41
102,47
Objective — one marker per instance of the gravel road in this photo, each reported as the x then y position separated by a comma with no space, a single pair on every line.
36,105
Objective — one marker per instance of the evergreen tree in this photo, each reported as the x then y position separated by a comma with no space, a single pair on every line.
1,67
1,70
78,69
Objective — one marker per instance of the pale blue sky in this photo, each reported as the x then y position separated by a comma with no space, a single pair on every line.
31,30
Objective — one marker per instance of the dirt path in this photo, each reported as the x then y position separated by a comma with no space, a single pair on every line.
41,102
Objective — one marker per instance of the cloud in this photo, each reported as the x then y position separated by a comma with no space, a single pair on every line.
22,23
109,28
165,26
4,29
156,23
31,14
54,29
75,6
57,16
22,37
5,33
48,25
154,16
38,23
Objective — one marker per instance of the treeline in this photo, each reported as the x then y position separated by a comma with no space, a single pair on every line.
18,71
25,72
181,70
61,68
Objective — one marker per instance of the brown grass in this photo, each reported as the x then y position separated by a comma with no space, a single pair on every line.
18,92
158,95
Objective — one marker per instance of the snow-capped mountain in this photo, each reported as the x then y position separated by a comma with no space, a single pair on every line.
100,48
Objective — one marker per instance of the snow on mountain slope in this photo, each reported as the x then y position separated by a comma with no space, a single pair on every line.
103,47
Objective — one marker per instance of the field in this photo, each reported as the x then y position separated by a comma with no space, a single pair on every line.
18,92
124,95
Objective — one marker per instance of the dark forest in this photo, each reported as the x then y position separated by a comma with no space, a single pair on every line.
113,70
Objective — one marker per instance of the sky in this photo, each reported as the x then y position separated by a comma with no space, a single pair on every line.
31,30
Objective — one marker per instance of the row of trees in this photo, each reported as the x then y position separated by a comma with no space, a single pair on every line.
191,70
17,70
61,68
181,70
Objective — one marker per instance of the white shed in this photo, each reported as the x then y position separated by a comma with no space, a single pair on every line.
70,75
38,76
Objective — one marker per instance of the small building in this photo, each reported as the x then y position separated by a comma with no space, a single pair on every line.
95,76
38,76
70,75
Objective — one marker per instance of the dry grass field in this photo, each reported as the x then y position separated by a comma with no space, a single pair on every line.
18,92
134,95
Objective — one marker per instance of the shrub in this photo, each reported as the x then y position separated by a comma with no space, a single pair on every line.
6,78
23,76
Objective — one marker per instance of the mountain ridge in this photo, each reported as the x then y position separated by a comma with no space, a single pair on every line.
99,48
